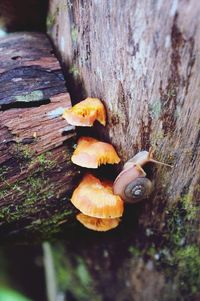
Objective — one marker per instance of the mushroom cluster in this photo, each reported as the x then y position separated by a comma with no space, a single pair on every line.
100,208
101,203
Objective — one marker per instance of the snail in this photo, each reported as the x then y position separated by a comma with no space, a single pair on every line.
131,184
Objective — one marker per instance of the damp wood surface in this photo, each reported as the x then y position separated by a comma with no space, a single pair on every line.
29,70
142,59
36,143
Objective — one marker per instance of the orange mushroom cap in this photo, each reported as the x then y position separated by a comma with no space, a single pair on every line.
91,153
86,112
95,198
97,224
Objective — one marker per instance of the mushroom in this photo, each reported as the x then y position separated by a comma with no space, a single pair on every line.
97,224
91,153
96,199
86,112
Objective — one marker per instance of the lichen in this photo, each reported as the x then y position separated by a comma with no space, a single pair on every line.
32,96
155,109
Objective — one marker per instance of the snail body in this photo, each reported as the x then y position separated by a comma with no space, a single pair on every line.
143,158
131,184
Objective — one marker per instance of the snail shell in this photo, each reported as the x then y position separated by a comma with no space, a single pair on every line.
138,190
131,184
125,177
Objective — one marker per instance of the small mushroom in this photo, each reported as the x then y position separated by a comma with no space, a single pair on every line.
97,224
91,153
86,112
96,199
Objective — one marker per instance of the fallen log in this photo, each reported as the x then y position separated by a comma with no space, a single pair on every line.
36,143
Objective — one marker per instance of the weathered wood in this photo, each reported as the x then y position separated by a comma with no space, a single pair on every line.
142,59
29,70
36,143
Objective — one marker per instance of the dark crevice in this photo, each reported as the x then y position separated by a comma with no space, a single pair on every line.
29,15
17,57
23,104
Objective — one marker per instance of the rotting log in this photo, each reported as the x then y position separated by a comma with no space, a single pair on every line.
29,71
36,143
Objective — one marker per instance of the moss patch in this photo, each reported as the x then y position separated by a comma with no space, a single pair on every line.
73,276
177,254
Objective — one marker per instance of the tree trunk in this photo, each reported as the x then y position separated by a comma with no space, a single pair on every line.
36,173
142,59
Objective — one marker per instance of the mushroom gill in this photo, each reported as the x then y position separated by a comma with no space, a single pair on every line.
86,112
97,224
91,153
96,199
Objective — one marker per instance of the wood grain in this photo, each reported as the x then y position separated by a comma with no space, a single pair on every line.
36,143
142,59
29,70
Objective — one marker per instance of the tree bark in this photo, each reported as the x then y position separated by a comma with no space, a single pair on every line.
36,143
142,59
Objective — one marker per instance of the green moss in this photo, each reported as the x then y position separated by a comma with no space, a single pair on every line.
178,256
27,152
49,225
45,162
51,19
23,152
34,188
73,275
74,70
74,34
135,251
180,219
27,157
3,172
182,254
33,192
188,262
